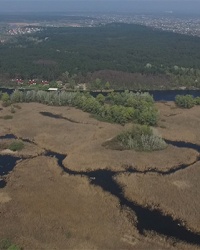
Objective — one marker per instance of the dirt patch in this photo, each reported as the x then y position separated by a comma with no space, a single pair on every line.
4,198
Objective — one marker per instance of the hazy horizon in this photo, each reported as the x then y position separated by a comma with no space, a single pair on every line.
134,6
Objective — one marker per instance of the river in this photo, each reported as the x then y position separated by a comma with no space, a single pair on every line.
158,95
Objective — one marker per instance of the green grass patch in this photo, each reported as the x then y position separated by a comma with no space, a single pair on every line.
6,244
16,145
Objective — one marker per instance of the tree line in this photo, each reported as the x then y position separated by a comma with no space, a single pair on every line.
116,107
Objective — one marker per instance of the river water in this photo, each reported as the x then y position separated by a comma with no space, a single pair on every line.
158,95
161,95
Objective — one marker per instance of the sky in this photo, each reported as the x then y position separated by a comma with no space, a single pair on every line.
142,6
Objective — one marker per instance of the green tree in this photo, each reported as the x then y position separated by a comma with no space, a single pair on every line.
107,85
100,98
5,99
97,83
17,96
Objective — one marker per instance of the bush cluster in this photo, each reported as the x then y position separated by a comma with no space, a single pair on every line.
141,138
116,107
5,98
185,101
6,244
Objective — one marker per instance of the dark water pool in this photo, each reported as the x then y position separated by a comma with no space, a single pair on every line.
182,144
2,183
8,136
7,163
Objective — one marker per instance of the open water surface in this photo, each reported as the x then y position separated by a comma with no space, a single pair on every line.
158,95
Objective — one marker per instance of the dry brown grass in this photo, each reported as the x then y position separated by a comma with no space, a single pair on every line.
180,124
42,208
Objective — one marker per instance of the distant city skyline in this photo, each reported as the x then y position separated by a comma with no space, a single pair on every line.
142,6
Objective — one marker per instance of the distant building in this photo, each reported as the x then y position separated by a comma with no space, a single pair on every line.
52,89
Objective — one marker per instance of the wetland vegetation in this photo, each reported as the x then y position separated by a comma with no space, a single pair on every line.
46,147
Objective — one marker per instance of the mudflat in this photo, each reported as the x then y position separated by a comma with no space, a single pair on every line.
42,207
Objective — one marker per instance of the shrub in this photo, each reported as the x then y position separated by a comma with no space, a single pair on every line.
100,98
146,115
185,101
14,247
5,99
6,244
16,145
197,100
17,96
141,138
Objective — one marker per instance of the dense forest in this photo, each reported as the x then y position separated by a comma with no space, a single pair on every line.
126,55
